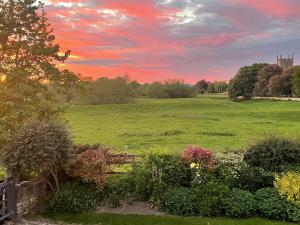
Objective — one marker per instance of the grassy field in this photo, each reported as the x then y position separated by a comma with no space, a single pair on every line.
210,121
111,219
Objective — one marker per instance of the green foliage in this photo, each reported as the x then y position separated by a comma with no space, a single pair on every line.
210,197
288,186
2,173
38,149
244,81
273,153
270,204
27,42
296,82
240,203
201,86
227,167
253,178
105,91
170,89
180,201
281,85
118,188
263,77
75,197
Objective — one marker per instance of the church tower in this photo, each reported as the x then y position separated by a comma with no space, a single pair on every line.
285,63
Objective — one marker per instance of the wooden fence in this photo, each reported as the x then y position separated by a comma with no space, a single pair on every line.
122,159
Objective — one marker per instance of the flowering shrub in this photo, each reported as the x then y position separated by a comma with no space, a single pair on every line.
288,186
91,166
198,155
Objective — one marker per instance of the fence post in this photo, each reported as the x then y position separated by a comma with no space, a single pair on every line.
11,198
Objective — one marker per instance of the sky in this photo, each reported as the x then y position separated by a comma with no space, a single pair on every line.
152,40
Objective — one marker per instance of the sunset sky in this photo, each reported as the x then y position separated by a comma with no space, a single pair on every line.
187,39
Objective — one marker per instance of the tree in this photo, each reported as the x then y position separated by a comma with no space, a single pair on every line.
201,86
263,77
211,88
244,81
296,82
28,54
27,45
37,150
281,85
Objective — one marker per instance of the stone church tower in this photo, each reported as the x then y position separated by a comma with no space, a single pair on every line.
285,63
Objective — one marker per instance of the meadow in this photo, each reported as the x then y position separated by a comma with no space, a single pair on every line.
210,121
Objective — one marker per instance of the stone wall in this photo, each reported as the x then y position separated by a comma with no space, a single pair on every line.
30,196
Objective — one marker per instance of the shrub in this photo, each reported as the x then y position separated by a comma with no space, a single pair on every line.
270,204
180,201
254,178
240,203
288,186
75,198
198,155
210,198
293,213
38,149
227,167
118,188
2,173
90,166
169,89
273,153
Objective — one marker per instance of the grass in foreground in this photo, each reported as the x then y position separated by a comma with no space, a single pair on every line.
210,121
112,219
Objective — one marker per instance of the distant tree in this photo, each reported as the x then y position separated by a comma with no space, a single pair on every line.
220,86
156,90
263,77
244,81
105,91
136,88
281,85
201,86
211,88
178,89
296,82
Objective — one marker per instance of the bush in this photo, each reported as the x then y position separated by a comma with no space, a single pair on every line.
90,166
38,149
293,213
240,203
288,186
169,89
198,155
270,204
254,178
118,188
273,153
210,198
2,173
180,201
75,198
159,169
227,167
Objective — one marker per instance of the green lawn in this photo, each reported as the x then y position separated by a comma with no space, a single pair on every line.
111,219
210,121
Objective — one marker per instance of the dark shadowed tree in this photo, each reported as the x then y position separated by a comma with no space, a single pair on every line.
263,77
244,81
296,82
201,86
281,85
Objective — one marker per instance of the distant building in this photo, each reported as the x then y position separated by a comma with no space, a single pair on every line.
285,63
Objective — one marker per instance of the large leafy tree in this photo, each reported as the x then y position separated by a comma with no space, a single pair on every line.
28,57
263,78
244,81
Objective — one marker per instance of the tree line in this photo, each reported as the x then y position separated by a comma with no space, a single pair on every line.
265,80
